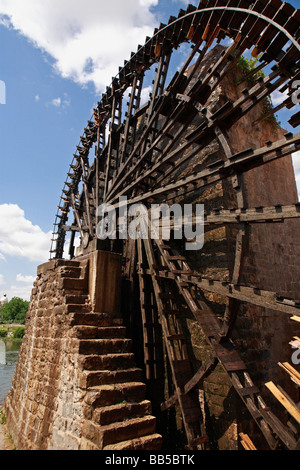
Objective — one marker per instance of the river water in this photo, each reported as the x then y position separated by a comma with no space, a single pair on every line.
9,352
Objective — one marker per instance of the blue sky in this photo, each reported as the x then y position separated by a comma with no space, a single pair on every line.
55,61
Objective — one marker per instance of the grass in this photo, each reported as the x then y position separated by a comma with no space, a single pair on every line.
15,329
7,436
2,417
247,66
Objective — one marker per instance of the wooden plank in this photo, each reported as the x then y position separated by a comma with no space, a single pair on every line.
293,373
257,414
229,357
176,258
296,318
180,369
266,299
279,429
209,323
249,391
200,375
248,159
176,338
295,343
199,441
172,401
246,442
284,400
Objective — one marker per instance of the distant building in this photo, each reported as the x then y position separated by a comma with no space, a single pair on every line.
3,300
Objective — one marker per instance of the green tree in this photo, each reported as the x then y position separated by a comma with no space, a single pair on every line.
19,332
14,311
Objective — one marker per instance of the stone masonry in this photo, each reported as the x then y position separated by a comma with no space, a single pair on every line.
76,386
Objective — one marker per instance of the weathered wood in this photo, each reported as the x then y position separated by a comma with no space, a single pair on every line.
296,318
219,171
250,215
242,293
145,166
246,442
172,401
181,368
294,374
200,375
285,400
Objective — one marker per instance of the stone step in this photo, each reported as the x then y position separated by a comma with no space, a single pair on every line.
151,443
94,319
73,272
71,284
107,362
104,346
107,377
76,299
93,332
106,395
103,436
121,412
78,308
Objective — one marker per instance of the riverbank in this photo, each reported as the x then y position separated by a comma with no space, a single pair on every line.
5,441
12,330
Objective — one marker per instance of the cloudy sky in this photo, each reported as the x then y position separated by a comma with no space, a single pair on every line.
57,57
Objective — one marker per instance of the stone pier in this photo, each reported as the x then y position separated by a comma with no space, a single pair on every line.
76,386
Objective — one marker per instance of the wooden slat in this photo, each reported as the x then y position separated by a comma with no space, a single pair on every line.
284,400
200,375
246,159
251,215
294,374
199,441
249,391
229,357
176,338
295,343
246,442
172,401
296,318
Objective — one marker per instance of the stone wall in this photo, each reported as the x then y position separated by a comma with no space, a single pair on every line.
76,386
44,405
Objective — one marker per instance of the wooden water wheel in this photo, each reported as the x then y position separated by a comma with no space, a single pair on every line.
148,151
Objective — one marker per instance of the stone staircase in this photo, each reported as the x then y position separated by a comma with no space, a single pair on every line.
116,414
76,386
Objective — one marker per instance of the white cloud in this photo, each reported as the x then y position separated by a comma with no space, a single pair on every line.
37,97
66,101
25,279
56,102
88,39
145,95
187,2
19,237
59,102
278,97
77,242
2,280
23,292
